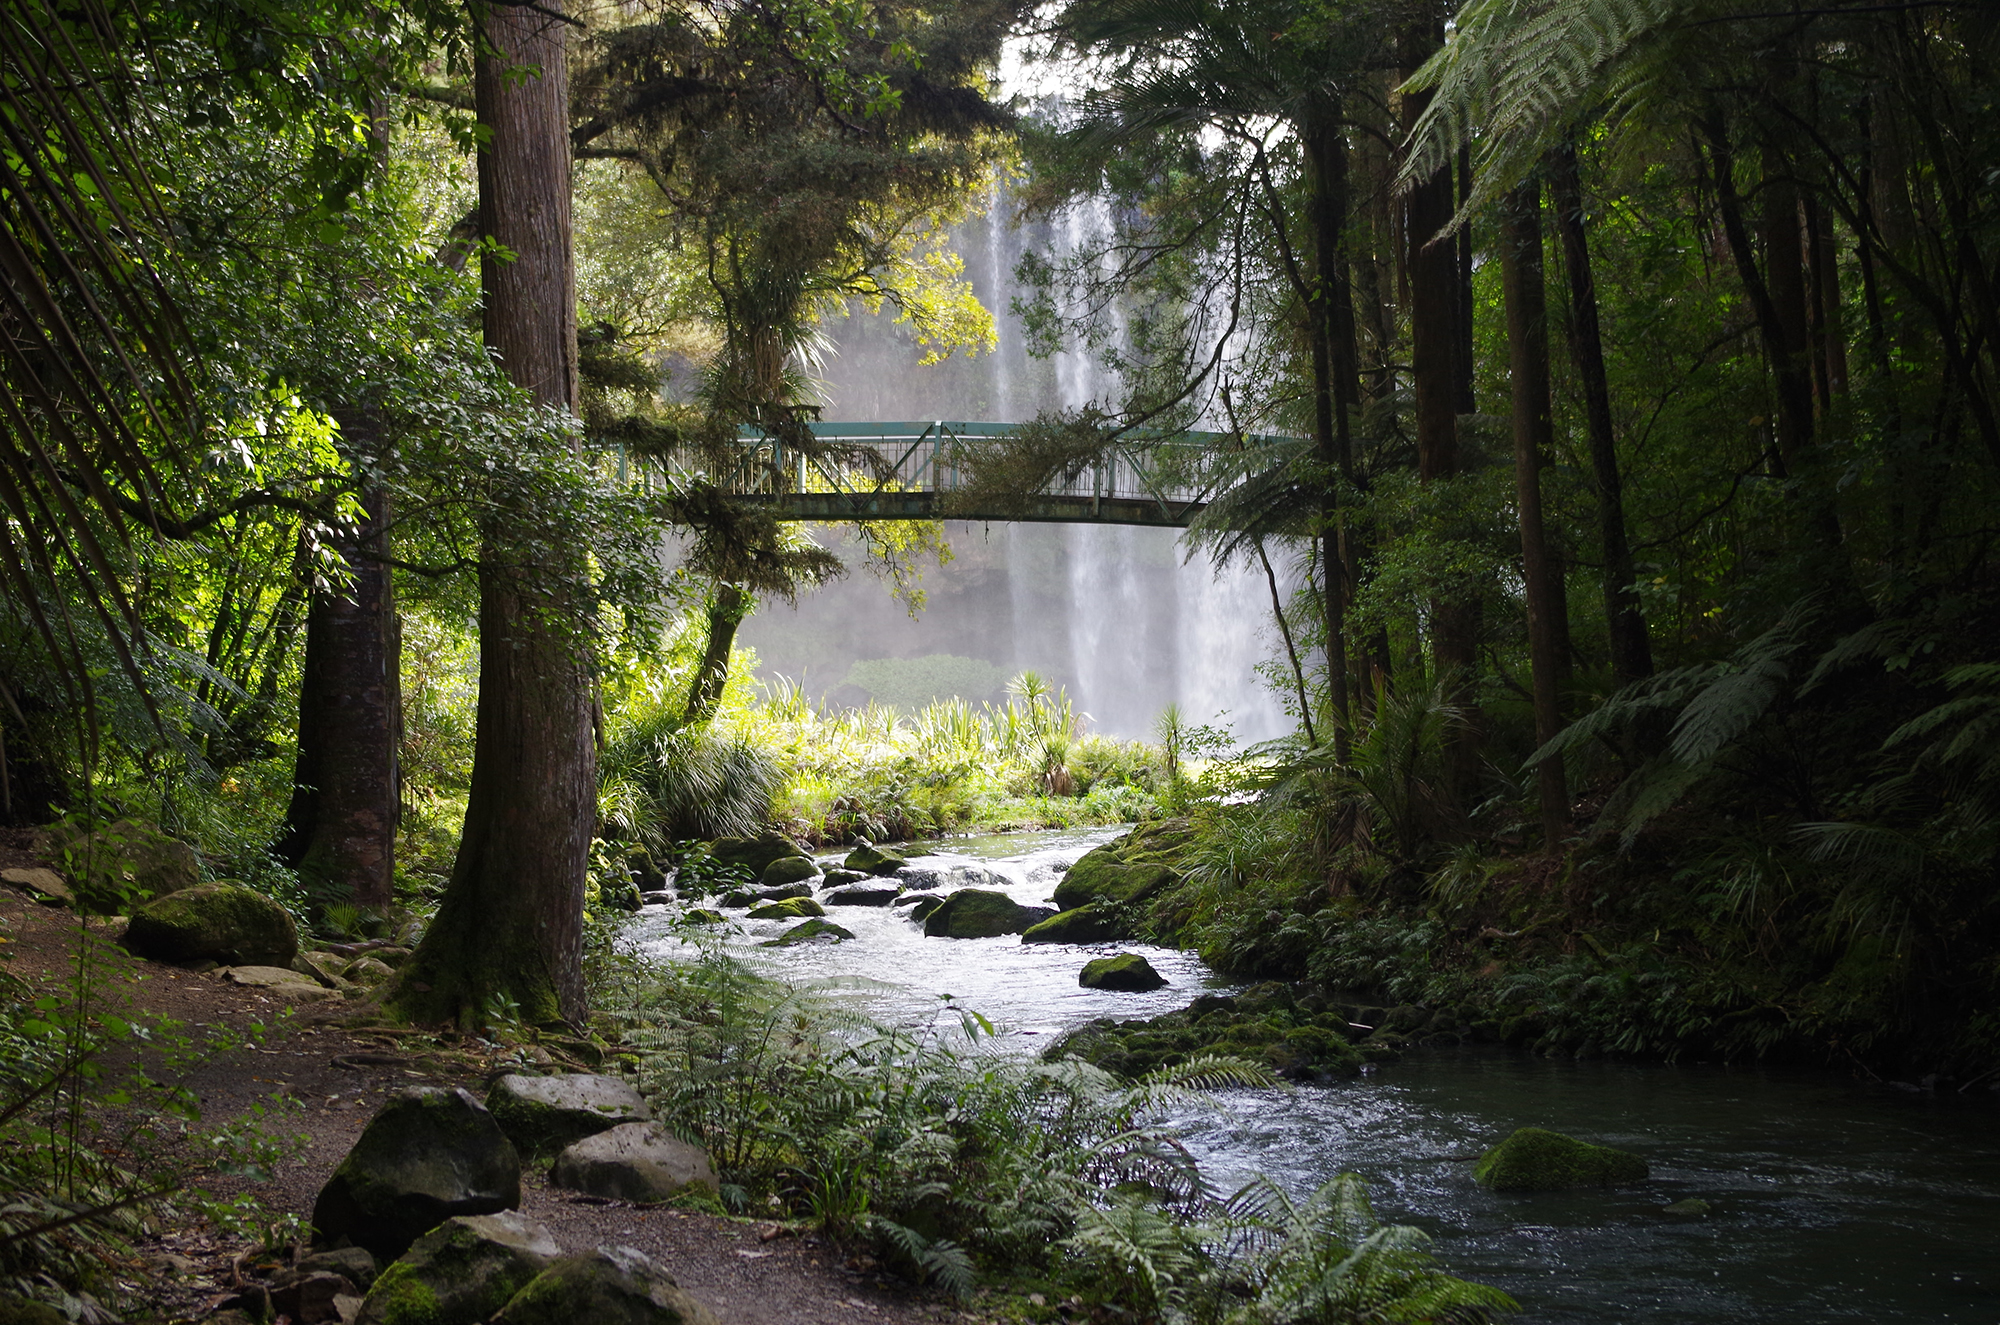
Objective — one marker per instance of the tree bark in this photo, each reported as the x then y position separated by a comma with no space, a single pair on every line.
340,829
725,613
1434,316
1625,618
510,927
1330,319
1528,366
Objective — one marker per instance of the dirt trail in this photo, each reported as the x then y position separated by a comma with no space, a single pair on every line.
331,1077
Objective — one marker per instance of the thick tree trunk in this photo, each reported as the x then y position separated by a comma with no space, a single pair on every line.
1434,348
725,613
340,830
511,923
1330,315
1625,618
1528,365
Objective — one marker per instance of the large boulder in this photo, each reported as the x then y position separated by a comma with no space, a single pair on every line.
127,862
544,1114
1098,878
976,913
634,1162
862,894
792,908
429,1154
609,1286
220,922
1095,923
1126,973
1535,1159
866,859
788,869
45,886
753,854
460,1272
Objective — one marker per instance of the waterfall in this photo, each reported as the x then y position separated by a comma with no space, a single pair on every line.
1115,613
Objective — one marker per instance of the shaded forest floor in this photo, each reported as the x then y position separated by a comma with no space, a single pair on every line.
321,1078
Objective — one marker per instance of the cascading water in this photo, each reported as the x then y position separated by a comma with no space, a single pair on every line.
1118,614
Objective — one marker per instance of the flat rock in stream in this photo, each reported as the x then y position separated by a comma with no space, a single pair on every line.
1535,1159
863,894
977,913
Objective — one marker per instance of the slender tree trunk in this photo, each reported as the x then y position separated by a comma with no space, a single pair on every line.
1291,650
1463,359
1434,315
1528,364
1625,618
1330,315
511,923
725,613
340,830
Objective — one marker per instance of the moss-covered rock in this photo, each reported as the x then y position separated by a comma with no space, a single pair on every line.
753,854
220,922
127,862
1691,1208
920,905
739,897
609,1286
701,915
836,878
1094,923
792,908
866,859
824,931
1535,1159
1127,973
976,913
862,894
541,1115
778,892
461,1272
427,1155
788,869
1264,1025
1106,878
634,1162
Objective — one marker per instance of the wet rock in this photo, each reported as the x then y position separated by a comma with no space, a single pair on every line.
975,913
921,904
125,863
1109,880
1127,972
634,1162
657,897
811,931
1094,923
866,859
45,886
428,1155
1535,1159
1262,1024
1691,1208
839,878
701,915
739,897
790,909
788,869
461,1272
778,892
863,894
609,1286
220,922
544,1114
753,854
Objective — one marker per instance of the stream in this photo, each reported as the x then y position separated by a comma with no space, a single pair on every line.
1834,1201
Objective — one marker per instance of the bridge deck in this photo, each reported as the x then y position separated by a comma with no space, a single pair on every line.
1145,480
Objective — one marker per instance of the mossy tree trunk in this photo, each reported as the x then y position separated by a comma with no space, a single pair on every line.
511,923
725,613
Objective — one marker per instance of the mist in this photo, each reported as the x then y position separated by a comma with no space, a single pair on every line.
1117,614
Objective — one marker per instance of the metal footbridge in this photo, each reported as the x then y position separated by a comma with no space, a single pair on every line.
922,471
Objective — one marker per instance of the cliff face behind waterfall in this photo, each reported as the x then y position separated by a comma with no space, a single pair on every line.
1115,614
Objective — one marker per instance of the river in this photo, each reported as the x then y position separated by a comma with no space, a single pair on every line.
1834,1200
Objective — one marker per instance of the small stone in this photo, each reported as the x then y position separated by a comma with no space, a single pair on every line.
1092,923
368,970
811,930
921,905
355,1264
461,1272
1535,1159
1128,973
280,980
45,886
753,854
634,1162
609,1286
428,1155
779,892
308,1299
1691,1208
541,1114
658,897
837,877
702,915
790,909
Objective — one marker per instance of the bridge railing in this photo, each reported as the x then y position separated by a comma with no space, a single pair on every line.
932,457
